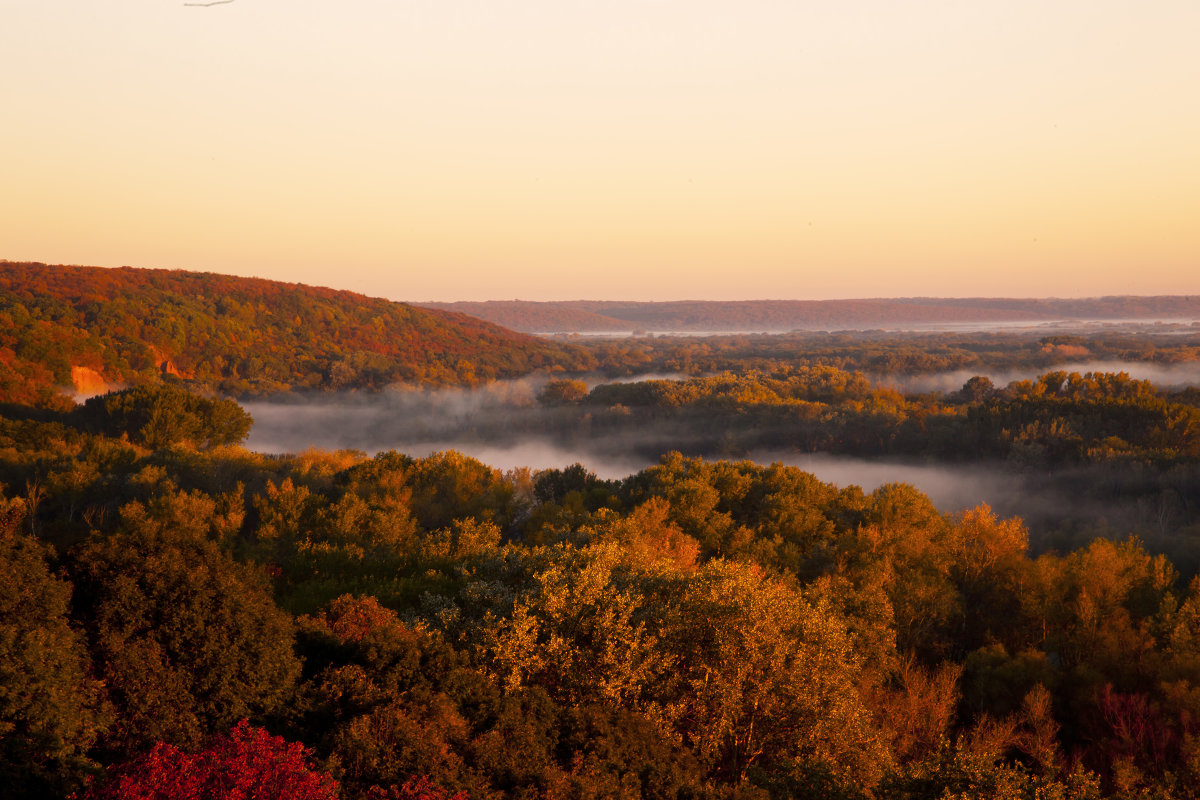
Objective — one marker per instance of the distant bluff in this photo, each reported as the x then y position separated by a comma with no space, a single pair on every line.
598,316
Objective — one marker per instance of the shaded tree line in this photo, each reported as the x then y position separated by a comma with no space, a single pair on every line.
1059,418
887,353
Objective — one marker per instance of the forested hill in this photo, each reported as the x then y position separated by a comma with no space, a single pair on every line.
87,328
786,315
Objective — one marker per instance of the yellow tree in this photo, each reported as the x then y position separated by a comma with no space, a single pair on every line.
763,677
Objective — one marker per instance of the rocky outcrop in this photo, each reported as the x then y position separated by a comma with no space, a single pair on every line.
88,382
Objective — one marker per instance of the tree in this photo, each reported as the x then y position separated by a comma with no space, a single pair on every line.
646,535
449,485
375,700
247,763
415,788
563,392
977,390
761,677
569,619
157,416
187,640
49,707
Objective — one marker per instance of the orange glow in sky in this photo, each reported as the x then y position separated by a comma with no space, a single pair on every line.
658,149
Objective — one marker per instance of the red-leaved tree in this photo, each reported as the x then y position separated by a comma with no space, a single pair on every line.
245,764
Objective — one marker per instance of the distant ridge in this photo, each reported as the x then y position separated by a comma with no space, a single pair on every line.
785,315
87,329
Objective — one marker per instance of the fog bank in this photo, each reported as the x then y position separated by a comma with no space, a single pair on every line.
1166,376
505,429
950,488
503,425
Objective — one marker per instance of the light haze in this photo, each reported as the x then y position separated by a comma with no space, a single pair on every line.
659,149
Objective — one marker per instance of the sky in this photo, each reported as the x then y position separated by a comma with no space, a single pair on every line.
648,149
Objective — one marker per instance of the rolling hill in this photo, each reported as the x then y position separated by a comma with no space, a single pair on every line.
85,329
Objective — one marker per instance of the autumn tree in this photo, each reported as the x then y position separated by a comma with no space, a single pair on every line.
763,677
247,763
418,787
378,702
563,392
449,485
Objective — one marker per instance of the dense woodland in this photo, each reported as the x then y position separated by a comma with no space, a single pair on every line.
1059,417
392,627
181,617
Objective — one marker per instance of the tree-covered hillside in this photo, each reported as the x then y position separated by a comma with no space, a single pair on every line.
87,327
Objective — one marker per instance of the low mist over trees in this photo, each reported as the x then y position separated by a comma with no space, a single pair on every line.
66,330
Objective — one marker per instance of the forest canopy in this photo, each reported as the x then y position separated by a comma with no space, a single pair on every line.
397,627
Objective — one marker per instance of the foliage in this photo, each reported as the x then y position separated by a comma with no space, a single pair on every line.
49,705
186,640
415,788
247,763
237,335
702,629
562,392
158,416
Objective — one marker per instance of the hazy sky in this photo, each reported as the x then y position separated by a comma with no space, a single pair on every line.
657,149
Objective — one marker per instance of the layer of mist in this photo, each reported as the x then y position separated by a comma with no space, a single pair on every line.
1059,502
502,425
288,428
950,488
281,428
1167,376
374,422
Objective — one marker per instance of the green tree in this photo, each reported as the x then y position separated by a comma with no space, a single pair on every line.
374,701
49,707
157,416
449,485
186,640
